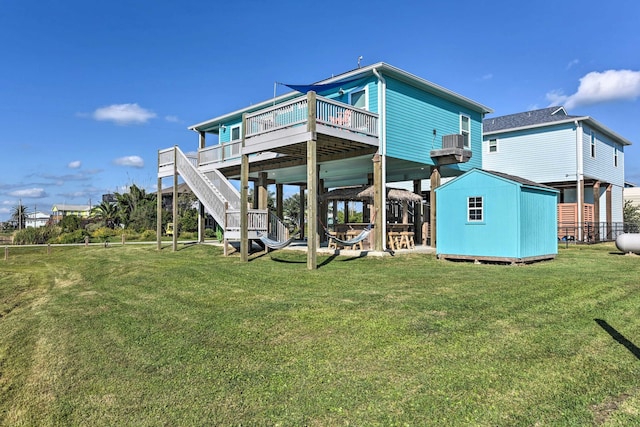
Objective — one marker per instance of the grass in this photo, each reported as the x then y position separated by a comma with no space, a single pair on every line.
133,336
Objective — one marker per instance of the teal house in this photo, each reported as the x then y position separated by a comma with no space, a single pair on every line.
372,126
493,216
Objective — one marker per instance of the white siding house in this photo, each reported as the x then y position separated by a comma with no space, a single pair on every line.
580,157
36,219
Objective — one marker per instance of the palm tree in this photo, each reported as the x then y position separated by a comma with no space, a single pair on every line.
107,212
19,215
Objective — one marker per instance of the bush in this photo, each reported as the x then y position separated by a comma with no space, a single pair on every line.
76,236
188,235
35,236
148,236
103,234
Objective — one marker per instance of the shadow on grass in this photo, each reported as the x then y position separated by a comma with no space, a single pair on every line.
328,260
634,349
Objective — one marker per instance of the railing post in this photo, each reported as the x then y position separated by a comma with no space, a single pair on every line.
6,253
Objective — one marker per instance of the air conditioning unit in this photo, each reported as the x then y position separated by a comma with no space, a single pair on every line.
455,140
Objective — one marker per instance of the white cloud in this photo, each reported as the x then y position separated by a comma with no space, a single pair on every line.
488,76
597,88
172,119
74,165
572,63
5,210
33,193
133,161
124,114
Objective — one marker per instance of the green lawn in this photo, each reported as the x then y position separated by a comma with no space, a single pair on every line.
134,336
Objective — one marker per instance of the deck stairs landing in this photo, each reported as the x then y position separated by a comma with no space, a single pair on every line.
219,197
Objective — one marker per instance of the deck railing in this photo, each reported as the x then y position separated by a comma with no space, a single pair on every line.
277,229
291,114
257,223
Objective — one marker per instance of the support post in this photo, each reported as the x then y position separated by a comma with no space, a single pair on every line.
609,211
175,199
244,197
244,209
224,230
581,235
280,201
301,216
159,215
379,229
596,211
202,213
263,191
435,183
417,211
312,184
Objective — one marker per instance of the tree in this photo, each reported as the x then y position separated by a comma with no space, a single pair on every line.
631,217
137,209
107,213
291,211
271,198
19,215
70,223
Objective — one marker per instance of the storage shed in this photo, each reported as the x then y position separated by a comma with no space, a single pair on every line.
491,216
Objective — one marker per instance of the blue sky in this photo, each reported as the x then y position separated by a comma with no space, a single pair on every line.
89,91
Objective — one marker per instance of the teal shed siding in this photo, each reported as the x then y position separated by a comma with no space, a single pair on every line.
518,221
539,218
413,114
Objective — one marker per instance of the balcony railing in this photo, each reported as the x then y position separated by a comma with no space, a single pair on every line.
291,114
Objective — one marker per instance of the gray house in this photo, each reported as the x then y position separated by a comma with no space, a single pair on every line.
576,155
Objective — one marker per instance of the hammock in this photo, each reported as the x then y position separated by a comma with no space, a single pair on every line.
355,240
359,238
275,244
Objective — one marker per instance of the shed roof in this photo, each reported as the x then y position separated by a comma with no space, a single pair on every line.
516,179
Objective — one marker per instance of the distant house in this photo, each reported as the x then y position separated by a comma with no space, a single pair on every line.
576,155
62,210
633,195
485,215
37,219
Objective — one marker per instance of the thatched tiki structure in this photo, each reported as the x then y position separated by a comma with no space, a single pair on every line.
398,206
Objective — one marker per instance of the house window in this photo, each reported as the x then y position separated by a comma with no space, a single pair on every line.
465,130
593,144
615,156
358,98
493,145
235,133
474,209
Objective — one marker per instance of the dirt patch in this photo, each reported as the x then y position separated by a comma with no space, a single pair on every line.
603,411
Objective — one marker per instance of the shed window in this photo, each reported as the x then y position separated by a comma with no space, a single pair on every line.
493,145
474,209
615,156
465,129
593,144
